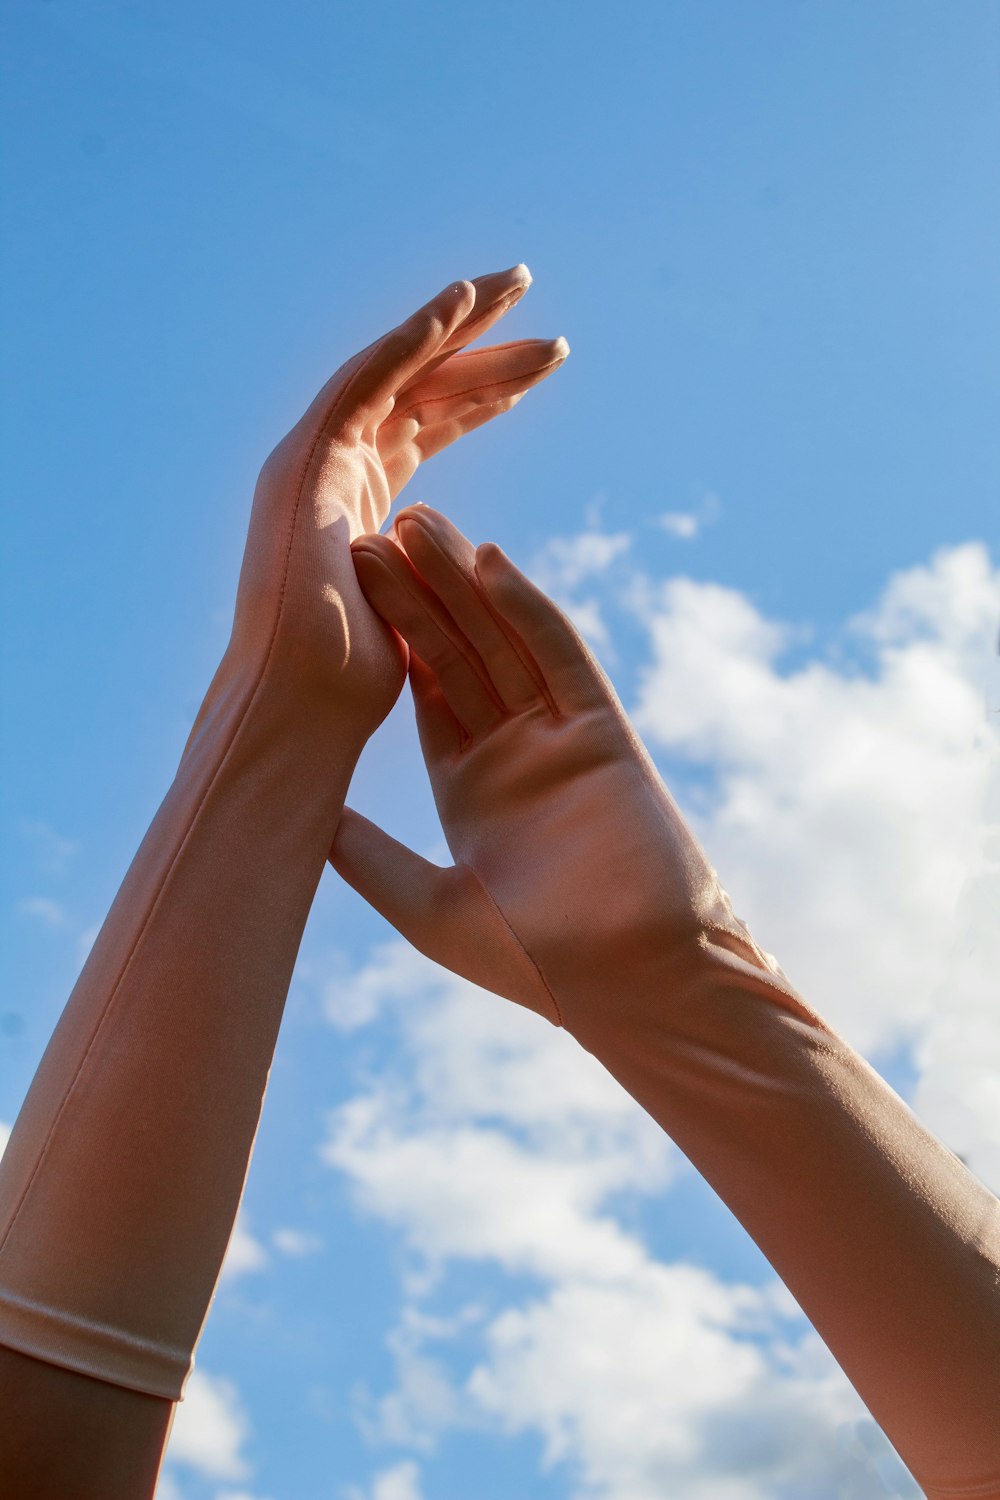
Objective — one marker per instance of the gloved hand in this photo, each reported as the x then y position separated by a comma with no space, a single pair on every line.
302,630
122,1177
573,864
579,891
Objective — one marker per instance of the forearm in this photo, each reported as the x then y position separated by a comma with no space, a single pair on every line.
888,1243
123,1174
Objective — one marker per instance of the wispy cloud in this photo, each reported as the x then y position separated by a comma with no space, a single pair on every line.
567,564
686,524
495,1140
52,913
245,1253
210,1429
847,809
52,851
296,1243
400,1482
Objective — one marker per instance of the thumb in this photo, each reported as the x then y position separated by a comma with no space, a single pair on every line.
447,914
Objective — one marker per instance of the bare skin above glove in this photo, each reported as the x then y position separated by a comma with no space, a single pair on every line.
122,1178
579,891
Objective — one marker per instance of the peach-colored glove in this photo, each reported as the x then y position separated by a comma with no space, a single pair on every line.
579,891
121,1181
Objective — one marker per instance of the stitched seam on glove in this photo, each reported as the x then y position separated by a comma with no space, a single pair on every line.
136,946
487,385
986,1491
531,961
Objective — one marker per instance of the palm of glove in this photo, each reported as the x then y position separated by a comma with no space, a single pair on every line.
301,619
572,860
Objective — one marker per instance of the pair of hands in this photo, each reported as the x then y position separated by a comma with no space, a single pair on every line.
573,864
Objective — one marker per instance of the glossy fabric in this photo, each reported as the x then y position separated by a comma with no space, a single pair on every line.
121,1181
579,892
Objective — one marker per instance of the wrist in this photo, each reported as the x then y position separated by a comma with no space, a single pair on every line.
249,718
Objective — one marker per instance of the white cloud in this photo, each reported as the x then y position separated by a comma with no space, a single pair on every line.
490,1097
245,1252
680,523
565,563
952,601
495,1139
210,1429
53,852
296,1242
538,1214
686,524
4,1136
655,1385
167,1487
846,807
400,1482
958,1053
424,1401
353,1000
45,910
86,940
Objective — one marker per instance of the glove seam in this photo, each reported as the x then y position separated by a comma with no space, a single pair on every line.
487,385
499,911
985,1491
189,829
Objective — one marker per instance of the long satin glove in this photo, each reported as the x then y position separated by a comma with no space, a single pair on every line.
121,1181
579,892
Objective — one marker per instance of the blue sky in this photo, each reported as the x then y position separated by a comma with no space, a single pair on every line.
771,234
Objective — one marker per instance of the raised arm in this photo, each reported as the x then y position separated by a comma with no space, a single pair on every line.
121,1181
579,892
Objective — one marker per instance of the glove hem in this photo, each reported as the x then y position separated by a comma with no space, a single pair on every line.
91,1348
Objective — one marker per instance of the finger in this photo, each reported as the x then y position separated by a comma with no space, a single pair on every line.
402,460
446,914
441,735
405,888
380,370
479,377
446,560
393,588
495,295
403,443
405,351
573,677
430,440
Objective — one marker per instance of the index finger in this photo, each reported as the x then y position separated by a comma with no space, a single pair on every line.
413,350
398,356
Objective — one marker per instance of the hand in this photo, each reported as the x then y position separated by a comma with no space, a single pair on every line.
301,622
575,873
579,892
